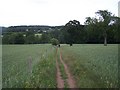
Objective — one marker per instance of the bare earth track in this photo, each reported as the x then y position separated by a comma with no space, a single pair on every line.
70,80
60,81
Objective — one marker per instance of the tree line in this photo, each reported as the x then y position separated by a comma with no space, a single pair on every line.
104,28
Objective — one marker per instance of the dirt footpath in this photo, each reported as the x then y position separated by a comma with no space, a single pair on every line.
60,82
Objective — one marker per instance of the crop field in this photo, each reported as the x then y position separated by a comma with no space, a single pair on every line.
93,65
34,66
28,66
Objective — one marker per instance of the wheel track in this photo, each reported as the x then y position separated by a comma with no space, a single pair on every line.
70,80
60,81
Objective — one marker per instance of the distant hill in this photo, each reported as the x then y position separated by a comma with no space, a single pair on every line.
33,28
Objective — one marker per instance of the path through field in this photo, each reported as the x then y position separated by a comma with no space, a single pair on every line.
61,82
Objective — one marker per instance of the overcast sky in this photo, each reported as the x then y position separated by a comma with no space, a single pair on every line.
51,12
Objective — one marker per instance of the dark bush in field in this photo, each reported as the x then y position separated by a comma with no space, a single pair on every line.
71,44
54,41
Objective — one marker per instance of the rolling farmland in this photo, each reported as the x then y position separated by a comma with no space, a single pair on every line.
34,66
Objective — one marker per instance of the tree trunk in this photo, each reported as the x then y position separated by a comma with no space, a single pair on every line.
105,41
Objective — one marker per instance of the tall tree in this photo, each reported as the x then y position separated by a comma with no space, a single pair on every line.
93,32
72,32
105,17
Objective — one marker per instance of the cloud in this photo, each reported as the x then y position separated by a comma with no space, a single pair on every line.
51,12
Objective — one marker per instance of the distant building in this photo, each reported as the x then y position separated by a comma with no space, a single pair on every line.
119,9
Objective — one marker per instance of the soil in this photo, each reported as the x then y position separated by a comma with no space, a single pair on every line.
70,80
60,81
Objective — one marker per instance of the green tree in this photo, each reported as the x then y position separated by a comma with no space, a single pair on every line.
5,39
19,38
13,38
93,30
30,39
45,38
73,32
105,17
37,39
54,41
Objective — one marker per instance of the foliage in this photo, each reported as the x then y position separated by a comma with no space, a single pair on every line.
101,29
30,39
54,41
13,38
73,32
45,38
106,18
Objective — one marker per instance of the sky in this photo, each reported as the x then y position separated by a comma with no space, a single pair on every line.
51,12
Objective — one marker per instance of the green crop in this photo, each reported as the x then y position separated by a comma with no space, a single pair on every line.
93,65
28,66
